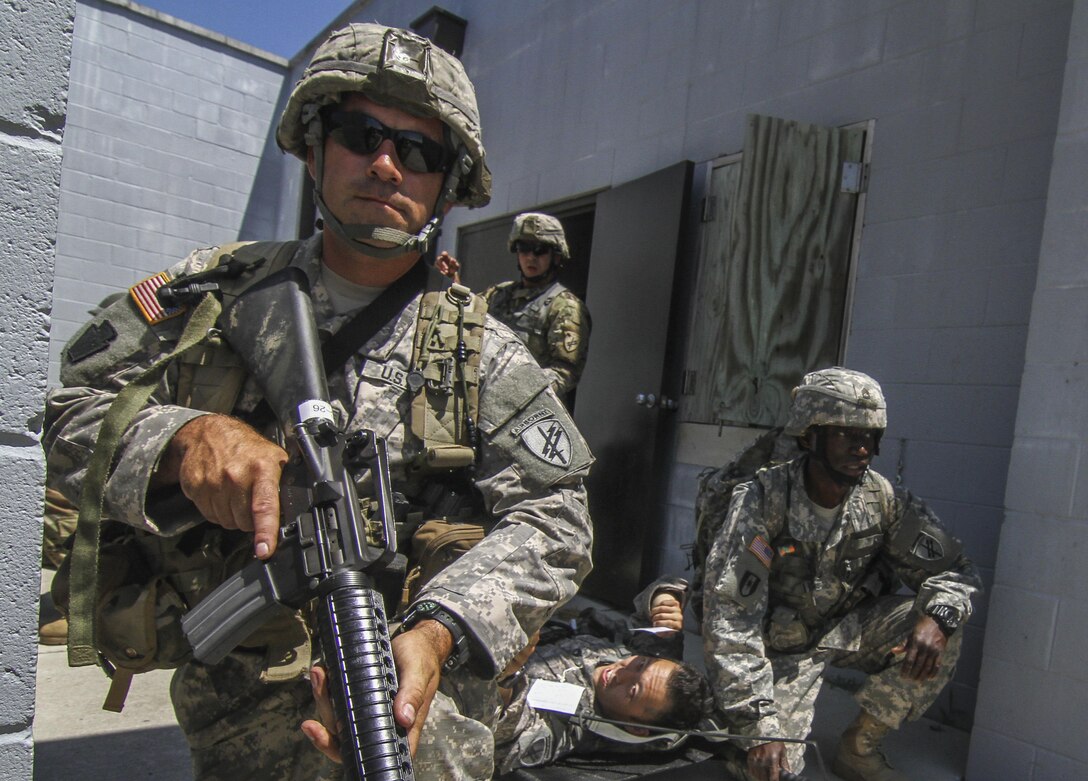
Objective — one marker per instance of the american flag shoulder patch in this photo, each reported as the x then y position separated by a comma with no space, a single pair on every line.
143,293
762,550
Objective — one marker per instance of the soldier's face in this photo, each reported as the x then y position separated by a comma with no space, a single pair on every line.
533,265
634,689
849,451
377,188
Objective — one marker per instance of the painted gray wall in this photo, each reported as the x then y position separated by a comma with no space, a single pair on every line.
576,96
34,59
166,150
1033,666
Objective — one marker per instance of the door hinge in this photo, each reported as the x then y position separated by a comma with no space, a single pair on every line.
855,177
710,208
687,384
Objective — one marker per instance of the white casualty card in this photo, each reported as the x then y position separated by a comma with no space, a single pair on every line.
555,696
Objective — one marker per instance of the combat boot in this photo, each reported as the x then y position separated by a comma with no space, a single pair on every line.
54,632
859,757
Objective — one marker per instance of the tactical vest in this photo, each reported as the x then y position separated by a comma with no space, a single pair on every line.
143,583
794,566
526,323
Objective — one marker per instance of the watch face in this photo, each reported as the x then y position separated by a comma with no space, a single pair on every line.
426,606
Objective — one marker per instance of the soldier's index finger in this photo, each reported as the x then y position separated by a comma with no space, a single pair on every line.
265,507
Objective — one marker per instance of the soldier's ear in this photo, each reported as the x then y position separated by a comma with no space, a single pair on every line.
807,441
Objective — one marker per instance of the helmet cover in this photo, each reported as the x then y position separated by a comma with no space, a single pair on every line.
395,68
837,397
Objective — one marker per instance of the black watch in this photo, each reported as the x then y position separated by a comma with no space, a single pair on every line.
947,617
428,608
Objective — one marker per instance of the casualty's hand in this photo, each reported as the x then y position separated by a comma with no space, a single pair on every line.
767,760
519,661
320,732
231,473
448,266
665,611
923,650
418,655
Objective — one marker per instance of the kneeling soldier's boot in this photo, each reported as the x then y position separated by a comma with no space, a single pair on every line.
859,757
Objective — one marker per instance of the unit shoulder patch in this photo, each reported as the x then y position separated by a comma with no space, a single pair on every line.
547,439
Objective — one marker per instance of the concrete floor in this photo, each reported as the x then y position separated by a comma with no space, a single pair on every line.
75,739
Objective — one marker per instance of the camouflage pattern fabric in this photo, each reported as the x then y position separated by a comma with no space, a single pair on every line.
58,524
552,322
787,591
528,481
526,737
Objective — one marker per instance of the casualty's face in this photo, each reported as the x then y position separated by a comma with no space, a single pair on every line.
634,689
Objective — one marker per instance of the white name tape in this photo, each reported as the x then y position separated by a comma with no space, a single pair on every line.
555,696
315,408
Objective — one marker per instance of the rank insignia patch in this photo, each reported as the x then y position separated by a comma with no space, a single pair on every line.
762,550
143,293
549,441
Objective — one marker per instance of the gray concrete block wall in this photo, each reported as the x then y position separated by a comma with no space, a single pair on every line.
34,59
168,133
1033,658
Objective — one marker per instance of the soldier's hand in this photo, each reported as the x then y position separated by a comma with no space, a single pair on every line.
665,611
922,650
231,473
418,655
320,732
767,760
448,266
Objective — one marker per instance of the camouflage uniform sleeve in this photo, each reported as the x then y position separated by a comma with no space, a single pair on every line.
74,413
927,558
530,475
568,341
736,603
678,586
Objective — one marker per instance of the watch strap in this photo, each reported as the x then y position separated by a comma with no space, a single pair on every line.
429,609
947,617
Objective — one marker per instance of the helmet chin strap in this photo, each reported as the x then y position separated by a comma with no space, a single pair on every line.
359,235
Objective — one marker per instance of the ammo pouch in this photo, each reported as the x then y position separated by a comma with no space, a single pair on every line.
138,611
786,632
435,545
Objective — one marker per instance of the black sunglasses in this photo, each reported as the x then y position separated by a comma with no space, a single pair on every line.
362,134
535,249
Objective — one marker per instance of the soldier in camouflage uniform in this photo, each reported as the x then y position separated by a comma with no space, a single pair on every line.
388,127
645,686
548,317
804,574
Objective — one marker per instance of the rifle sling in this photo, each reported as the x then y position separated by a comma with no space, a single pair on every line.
130,400
361,328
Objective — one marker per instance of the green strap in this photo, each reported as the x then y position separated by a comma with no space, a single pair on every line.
130,400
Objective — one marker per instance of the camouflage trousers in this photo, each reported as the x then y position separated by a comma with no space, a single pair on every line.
881,625
240,729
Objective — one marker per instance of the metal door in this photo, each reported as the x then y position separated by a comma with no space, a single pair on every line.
636,239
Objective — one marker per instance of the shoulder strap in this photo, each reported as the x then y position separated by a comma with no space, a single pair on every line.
82,648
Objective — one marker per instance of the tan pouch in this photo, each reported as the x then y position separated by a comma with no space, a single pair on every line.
436,545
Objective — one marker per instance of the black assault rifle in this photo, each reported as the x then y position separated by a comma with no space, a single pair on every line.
323,552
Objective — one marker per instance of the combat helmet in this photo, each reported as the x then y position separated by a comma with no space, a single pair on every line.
541,228
400,69
837,397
